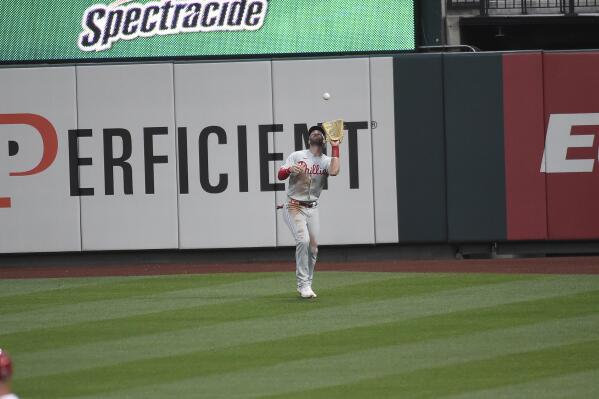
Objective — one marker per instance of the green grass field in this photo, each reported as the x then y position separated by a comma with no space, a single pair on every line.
367,335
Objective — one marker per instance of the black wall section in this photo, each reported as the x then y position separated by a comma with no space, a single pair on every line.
557,32
430,23
420,148
474,140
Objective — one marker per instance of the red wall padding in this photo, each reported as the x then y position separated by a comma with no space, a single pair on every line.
571,86
524,139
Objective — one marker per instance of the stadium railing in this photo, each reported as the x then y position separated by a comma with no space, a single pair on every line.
567,7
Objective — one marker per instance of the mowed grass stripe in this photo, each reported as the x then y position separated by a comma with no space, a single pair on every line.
18,287
581,385
242,286
321,345
470,376
313,373
127,288
317,320
393,286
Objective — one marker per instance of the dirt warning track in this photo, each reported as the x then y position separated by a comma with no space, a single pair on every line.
555,265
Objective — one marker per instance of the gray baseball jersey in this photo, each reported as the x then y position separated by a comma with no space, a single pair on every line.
307,186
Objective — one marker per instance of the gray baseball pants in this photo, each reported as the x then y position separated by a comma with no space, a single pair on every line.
305,226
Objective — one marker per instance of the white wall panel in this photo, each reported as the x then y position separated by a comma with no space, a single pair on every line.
383,149
135,98
346,214
233,97
43,216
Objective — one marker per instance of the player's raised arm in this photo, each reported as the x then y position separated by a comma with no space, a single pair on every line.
335,166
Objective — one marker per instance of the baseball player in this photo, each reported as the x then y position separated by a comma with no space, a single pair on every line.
5,376
308,171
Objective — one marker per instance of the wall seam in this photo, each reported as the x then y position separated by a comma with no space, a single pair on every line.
447,239
371,147
78,169
546,177
274,143
176,132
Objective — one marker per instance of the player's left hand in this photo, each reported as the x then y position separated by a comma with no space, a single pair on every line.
297,169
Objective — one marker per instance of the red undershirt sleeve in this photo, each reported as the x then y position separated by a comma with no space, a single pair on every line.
284,173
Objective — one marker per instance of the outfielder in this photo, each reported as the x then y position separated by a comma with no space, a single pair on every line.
5,376
309,170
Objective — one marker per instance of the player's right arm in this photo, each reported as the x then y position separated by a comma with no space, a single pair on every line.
285,169
289,167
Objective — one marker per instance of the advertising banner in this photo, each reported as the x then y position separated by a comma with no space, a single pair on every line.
62,30
438,148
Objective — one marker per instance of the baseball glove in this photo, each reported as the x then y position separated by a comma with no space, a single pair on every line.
334,130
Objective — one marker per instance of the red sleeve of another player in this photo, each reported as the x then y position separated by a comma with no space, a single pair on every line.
284,173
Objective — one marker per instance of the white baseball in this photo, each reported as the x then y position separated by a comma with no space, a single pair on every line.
326,96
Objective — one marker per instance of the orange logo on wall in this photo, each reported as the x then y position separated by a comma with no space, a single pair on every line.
49,139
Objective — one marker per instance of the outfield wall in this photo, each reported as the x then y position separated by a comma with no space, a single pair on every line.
439,148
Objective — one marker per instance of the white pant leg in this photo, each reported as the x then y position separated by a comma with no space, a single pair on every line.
313,224
295,218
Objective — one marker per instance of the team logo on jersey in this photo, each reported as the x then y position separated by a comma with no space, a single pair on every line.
103,25
313,170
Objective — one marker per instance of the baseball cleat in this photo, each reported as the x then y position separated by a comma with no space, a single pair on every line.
306,292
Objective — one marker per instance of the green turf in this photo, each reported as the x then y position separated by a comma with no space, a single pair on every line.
248,335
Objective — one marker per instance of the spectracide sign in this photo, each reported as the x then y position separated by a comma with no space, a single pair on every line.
103,25
62,30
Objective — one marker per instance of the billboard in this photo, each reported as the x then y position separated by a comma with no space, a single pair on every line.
76,30
184,155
